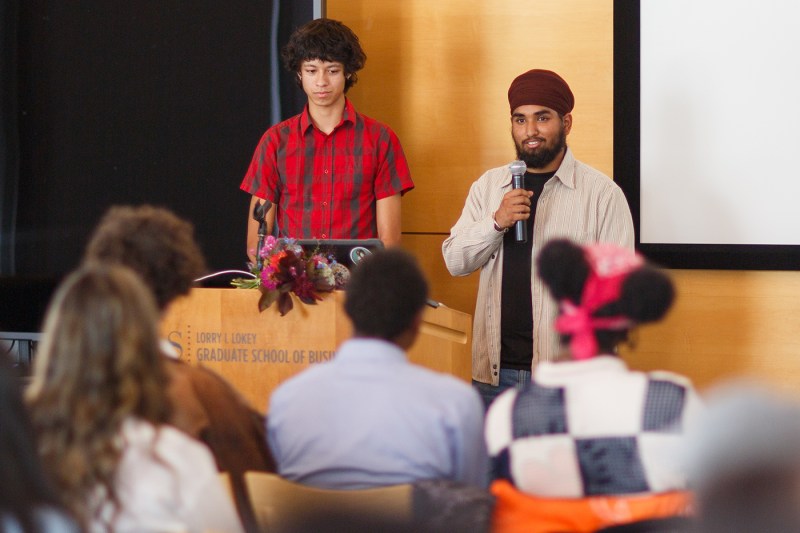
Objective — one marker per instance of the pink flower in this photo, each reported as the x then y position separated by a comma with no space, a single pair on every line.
286,266
267,281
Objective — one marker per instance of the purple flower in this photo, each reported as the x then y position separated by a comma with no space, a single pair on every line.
267,281
269,244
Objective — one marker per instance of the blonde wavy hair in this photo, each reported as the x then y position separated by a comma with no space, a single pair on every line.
99,364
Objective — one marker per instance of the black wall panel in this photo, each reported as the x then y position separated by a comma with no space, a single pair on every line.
156,102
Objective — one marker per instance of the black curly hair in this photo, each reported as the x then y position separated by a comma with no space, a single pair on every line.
385,292
646,294
326,40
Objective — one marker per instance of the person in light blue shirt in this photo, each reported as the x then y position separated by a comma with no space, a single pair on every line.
368,417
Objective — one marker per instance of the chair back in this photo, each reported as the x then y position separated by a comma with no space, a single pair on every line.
227,484
281,505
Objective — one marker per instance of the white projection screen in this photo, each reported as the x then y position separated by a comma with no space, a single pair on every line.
707,116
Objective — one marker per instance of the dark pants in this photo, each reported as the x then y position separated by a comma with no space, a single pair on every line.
508,378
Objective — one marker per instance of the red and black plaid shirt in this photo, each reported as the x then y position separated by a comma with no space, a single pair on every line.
326,186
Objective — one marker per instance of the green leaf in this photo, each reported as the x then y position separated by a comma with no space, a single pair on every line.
310,300
285,303
246,283
267,298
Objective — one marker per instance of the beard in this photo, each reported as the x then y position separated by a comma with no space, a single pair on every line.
543,156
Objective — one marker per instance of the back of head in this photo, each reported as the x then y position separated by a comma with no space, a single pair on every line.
99,365
603,291
385,293
100,339
744,461
326,40
153,242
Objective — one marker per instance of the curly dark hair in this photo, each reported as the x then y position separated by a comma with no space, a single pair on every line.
646,295
385,292
155,243
326,40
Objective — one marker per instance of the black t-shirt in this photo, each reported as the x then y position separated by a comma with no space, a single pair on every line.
516,311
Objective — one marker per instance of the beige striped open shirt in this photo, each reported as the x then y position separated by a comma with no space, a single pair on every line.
579,203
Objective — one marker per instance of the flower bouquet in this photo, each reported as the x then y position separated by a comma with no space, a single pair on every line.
286,268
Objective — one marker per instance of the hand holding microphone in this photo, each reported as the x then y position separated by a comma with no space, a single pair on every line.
515,207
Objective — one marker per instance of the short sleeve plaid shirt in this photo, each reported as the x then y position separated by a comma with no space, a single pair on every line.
326,186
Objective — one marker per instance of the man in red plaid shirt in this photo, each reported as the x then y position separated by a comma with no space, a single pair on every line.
329,172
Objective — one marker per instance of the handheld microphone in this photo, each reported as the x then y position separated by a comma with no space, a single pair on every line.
518,169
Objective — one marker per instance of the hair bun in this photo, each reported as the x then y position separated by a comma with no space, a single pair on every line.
647,295
563,268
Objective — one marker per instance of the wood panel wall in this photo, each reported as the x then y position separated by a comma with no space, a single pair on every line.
438,74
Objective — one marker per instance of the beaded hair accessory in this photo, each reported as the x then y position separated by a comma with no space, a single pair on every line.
609,266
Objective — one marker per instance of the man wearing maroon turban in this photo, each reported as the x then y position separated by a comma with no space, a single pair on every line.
561,197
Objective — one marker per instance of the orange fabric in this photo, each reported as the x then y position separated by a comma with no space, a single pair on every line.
517,512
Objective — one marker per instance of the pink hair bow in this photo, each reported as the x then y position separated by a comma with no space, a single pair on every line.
577,322
610,265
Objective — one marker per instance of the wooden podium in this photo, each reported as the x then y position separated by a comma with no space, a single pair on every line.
222,329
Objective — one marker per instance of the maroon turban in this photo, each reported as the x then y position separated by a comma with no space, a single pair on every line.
541,87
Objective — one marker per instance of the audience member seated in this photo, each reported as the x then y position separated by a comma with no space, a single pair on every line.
368,417
589,443
99,406
28,502
160,247
745,461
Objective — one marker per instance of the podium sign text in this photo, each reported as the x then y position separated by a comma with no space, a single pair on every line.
222,329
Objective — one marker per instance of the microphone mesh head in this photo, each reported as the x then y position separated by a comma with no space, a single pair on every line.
517,167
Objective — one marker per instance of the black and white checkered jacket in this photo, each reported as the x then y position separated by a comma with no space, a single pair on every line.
588,428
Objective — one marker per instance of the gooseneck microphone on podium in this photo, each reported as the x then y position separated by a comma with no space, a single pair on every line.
518,169
260,215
